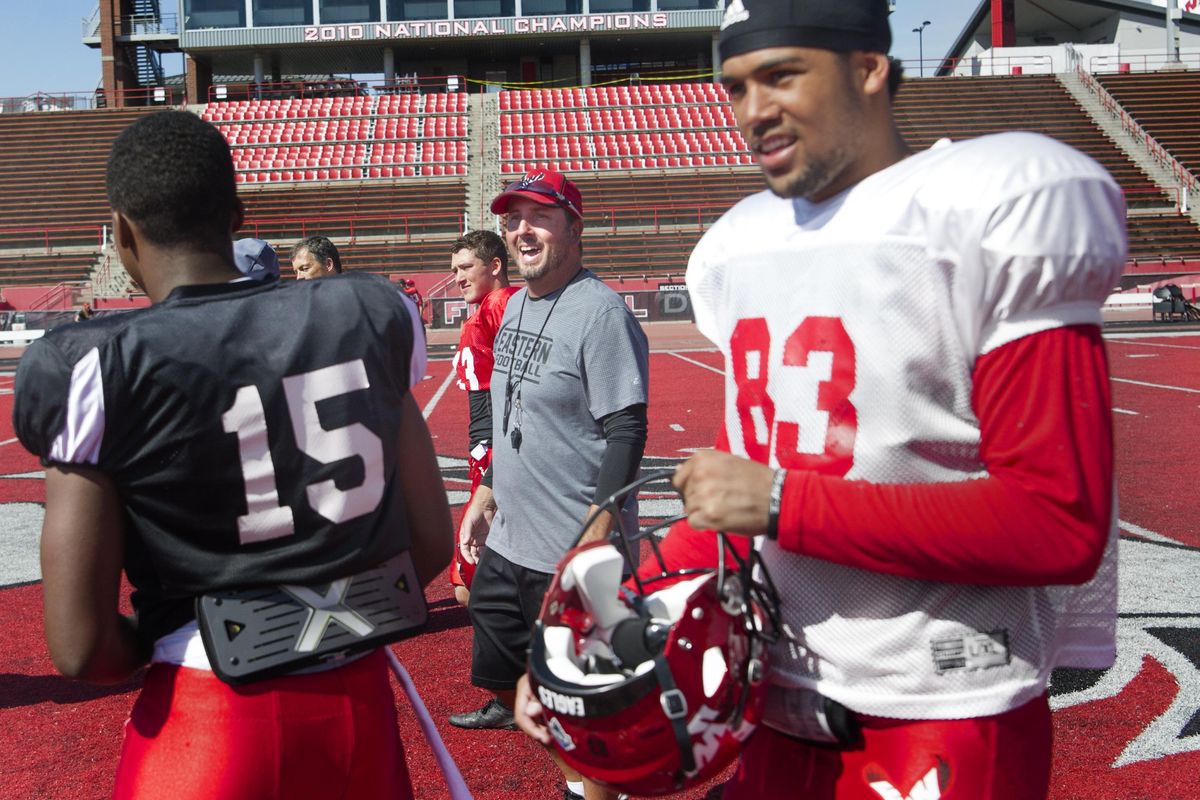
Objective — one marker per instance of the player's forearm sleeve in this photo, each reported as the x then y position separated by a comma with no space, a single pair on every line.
1040,517
625,437
480,428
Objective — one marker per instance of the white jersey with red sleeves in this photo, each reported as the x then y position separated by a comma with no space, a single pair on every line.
474,360
850,329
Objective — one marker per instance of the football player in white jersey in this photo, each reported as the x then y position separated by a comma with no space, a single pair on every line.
917,429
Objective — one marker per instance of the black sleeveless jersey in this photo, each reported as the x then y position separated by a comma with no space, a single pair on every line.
251,429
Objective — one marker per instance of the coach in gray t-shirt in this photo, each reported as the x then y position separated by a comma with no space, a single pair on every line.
589,362
568,392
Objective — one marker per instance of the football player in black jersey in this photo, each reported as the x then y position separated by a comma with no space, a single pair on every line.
236,435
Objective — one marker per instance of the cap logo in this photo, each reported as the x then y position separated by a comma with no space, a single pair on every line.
735,12
531,178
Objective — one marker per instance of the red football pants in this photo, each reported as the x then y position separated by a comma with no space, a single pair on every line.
1005,757
329,734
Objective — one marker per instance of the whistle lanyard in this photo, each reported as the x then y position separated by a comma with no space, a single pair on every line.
511,388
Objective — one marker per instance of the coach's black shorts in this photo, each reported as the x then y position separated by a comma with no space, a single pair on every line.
505,601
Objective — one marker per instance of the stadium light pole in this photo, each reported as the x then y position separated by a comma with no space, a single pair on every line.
920,32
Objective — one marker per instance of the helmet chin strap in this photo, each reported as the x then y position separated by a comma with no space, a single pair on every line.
674,706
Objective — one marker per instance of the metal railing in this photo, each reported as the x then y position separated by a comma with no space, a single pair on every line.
61,295
133,25
352,227
1140,198
1183,177
148,25
163,96
48,237
981,66
91,24
334,86
655,217
1142,62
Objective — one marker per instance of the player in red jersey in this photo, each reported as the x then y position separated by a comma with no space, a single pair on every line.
917,431
479,264
409,288
236,435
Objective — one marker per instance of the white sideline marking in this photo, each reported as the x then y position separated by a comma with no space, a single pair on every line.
700,364
1125,411
675,426
1163,345
1160,345
1144,533
7,441
1142,355
433,401
1118,336
1157,385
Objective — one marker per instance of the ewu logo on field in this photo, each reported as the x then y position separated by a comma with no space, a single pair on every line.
1158,644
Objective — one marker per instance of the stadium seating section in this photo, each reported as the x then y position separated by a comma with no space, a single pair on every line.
385,176
620,128
935,108
1165,104
339,138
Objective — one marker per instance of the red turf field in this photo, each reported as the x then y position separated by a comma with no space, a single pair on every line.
1132,733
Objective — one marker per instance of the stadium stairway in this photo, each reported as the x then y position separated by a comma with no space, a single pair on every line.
1166,105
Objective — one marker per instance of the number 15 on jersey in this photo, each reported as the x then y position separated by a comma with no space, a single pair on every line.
265,518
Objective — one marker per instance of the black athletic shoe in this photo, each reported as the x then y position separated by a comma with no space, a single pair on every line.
492,715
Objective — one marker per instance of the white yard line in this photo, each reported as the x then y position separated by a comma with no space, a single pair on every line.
1125,411
675,426
1157,386
433,401
7,441
1117,338
1162,345
700,364
1145,534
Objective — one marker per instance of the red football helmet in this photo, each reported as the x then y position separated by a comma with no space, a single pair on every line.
652,687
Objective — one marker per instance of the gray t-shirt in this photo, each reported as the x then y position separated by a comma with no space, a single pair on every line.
590,360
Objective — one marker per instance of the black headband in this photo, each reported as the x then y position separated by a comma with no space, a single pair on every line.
838,25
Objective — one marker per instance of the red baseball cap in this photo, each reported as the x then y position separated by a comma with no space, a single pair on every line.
544,186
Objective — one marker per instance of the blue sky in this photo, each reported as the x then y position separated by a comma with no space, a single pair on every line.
42,50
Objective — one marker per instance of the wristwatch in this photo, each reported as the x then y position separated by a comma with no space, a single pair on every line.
775,502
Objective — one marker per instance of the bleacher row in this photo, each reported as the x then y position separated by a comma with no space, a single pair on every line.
668,150
1165,105
345,138
659,126
383,175
621,95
